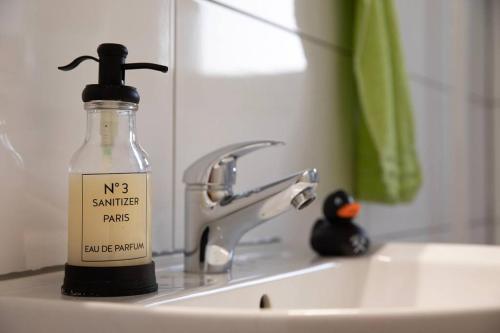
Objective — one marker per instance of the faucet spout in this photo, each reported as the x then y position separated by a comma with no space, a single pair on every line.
275,198
216,219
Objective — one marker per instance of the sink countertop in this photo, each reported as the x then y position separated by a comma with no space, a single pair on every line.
398,287
251,262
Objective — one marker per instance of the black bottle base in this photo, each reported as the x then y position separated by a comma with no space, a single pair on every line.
109,281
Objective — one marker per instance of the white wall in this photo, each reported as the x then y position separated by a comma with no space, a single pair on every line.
447,48
240,70
240,78
42,121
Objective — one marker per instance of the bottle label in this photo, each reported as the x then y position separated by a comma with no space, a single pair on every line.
112,212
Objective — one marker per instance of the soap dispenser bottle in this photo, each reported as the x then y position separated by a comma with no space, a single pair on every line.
109,222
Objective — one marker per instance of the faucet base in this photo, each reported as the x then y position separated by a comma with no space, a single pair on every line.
217,218
217,260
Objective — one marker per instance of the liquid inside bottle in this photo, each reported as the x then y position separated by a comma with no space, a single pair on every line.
109,191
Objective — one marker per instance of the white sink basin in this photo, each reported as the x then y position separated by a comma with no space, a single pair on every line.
398,288
398,277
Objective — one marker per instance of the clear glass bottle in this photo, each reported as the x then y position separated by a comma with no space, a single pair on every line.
100,233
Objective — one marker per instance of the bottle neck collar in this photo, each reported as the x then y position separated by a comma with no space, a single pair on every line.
110,105
110,123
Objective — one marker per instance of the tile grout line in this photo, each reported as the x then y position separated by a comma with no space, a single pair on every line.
60,268
436,229
428,82
173,34
340,49
422,79
489,41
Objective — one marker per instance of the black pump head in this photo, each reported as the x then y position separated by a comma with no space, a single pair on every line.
112,69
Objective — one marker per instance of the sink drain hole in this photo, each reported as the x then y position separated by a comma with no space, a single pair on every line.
264,303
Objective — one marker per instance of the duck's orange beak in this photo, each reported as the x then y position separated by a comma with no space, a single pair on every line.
349,211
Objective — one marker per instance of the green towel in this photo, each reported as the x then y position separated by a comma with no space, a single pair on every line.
387,167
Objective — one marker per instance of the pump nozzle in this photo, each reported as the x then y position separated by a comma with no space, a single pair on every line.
112,69
146,65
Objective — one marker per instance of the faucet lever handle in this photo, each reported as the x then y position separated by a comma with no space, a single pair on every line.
219,166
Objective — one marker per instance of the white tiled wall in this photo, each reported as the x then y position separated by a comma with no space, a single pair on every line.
240,70
309,18
240,79
446,46
42,121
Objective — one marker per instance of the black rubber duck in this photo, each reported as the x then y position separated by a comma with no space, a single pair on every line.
336,234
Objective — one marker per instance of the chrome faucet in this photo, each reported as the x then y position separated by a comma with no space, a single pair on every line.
216,218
